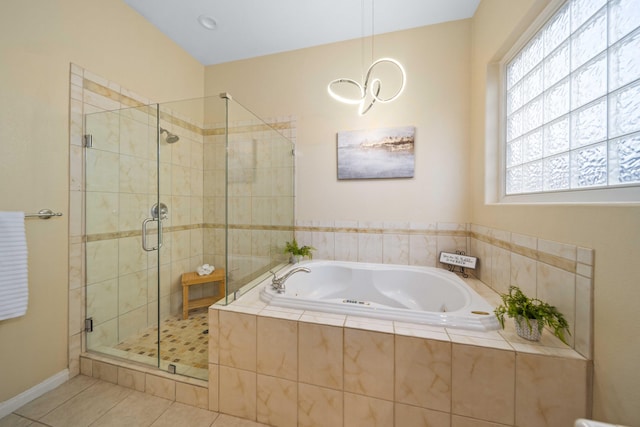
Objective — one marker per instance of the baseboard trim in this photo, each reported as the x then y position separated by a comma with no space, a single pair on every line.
8,406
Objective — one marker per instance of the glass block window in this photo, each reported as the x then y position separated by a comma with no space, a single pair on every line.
573,101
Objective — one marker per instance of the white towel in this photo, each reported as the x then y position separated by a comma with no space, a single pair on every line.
205,270
14,290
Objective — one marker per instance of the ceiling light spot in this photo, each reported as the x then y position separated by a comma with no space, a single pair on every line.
207,22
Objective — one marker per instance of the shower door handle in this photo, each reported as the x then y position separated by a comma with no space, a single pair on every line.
144,234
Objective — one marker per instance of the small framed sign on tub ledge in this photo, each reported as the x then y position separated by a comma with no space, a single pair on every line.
458,259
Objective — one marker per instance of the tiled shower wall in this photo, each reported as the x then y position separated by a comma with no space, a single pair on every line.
120,183
558,273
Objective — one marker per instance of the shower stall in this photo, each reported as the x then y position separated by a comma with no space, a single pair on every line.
168,188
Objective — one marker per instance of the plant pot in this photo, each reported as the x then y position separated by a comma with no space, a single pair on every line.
294,259
528,333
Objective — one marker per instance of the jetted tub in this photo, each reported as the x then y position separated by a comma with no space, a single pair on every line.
394,292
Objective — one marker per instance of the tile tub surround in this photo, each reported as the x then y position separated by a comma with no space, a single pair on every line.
288,367
558,273
561,274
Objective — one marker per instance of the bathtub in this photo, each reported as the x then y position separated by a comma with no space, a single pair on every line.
394,292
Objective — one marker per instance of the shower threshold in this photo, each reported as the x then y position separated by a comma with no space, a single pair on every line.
184,344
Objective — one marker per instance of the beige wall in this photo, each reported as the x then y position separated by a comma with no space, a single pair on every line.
435,102
614,232
446,67
38,41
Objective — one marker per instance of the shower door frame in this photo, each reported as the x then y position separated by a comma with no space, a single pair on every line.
277,232
150,257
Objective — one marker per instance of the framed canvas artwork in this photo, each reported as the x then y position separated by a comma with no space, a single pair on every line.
376,154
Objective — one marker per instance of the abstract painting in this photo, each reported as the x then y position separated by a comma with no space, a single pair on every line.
376,154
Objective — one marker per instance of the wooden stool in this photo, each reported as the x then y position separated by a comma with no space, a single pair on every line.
190,279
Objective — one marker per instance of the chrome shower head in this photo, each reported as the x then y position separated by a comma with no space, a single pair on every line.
171,138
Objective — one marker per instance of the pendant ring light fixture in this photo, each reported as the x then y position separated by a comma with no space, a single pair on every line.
373,86
369,87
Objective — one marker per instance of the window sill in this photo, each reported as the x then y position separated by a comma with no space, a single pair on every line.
617,196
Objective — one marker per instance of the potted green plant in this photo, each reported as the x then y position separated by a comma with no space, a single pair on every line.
297,252
531,315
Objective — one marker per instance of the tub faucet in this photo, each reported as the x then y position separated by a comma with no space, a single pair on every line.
277,283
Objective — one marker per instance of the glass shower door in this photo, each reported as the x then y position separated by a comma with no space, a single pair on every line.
168,188
123,233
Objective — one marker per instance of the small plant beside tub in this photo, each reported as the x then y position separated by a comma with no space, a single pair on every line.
531,315
298,252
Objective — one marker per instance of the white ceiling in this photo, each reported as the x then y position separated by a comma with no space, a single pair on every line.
250,28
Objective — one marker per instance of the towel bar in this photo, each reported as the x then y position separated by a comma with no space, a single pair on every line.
43,214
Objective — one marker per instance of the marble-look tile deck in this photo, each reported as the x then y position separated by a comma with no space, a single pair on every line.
84,401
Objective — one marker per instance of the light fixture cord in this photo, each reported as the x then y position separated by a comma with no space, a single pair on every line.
362,40
362,21
373,32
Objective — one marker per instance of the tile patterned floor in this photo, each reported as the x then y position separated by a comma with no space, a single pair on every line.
84,401
182,341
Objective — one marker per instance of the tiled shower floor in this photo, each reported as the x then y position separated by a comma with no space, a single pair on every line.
184,343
